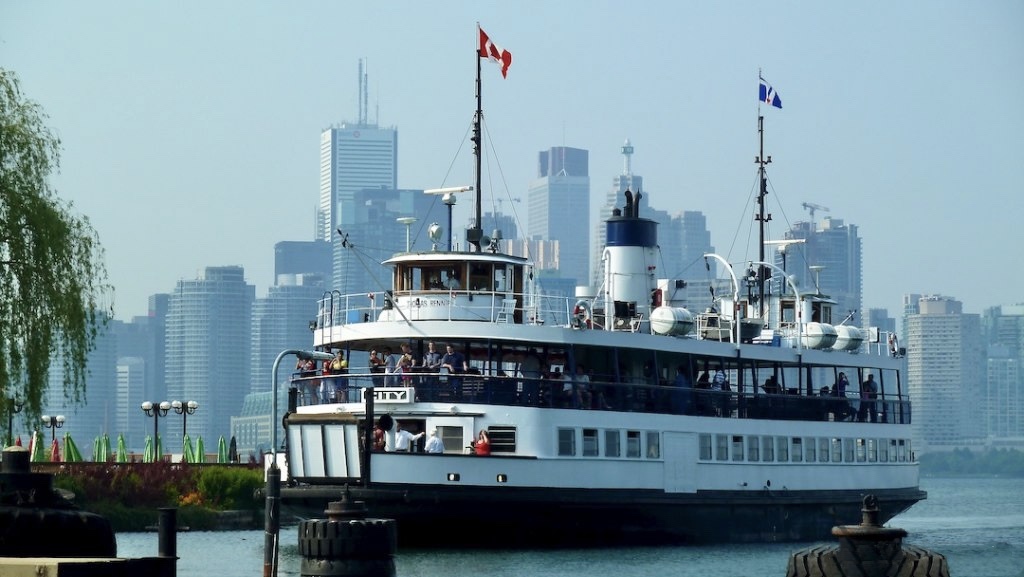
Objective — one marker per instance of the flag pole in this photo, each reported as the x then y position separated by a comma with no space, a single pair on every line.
474,234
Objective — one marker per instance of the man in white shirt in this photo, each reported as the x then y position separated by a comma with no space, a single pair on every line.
404,440
434,444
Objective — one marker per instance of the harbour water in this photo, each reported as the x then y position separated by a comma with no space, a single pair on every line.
977,523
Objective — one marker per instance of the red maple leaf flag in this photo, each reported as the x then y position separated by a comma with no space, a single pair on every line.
492,51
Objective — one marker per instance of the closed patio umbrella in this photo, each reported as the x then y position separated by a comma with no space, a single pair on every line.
200,450
36,449
105,447
159,454
96,451
222,450
187,454
55,451
147,451
122,451
233,450
71,452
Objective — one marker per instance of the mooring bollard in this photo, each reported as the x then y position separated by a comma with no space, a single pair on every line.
867,550
347,543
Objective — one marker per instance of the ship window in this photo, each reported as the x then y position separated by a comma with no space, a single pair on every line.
837,450
883,450
653,445
705,447
892,451
797,450
902,451
872,450
611,444
589,442
451,438
767,448
737,447
566,442
847,450
782,449
633,444
752,448
910,452
861,450
822,450
809,450
503,439
721,447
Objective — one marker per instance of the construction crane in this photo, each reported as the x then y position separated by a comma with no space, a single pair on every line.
501,201
813,207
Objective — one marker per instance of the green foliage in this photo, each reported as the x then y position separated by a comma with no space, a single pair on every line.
998,462
230,488
52,275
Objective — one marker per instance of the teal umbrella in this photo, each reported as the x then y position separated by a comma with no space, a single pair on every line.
105,447
122,452
200,450
147,452
222,450
187,454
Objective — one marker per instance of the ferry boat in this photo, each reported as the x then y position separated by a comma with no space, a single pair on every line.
618,416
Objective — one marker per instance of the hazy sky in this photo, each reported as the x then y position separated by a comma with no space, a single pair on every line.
191,130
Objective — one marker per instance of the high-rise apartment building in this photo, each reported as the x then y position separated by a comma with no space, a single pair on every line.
558,205
209,322
830,260
1003,334
945,373
292,257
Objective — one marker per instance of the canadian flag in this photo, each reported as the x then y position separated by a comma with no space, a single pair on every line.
492,51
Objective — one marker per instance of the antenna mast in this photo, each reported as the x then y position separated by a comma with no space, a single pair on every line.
474,234
761,216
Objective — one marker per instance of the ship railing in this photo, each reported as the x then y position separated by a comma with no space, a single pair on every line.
598,395
337,309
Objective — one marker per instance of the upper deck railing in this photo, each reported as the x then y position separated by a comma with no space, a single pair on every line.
598,395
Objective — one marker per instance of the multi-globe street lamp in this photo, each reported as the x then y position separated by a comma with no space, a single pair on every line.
53,423
15,405
156,410
184,409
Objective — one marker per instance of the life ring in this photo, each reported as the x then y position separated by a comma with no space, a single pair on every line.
894,345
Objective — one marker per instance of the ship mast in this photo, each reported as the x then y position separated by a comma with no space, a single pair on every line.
762,217
475,233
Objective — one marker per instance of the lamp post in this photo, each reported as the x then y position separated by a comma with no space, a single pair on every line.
53,423
184,409
156,411
16,405
272,521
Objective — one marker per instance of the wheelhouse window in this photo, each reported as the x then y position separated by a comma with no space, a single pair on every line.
590,447
612,444
567,442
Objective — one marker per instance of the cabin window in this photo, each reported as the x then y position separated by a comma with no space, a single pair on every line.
653,445
862,450
848,450
767,448
451,438
480,277
892,451
837,450
503,439
737,447
611,444
901,451
809,452
823,450
705,447
753,446
796,452
566,442
872,450
633,444
782,449
910,452
721,447
590,442
883,450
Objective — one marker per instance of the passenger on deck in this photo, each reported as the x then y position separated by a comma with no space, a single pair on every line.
311,386
452,283
376,365
390,368
583,397
455,364
682,393
404,439
434,444
482,445
868,394
771,386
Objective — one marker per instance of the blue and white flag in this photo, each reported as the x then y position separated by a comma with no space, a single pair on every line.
768,95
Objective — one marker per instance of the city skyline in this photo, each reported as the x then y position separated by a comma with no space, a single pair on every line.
190,138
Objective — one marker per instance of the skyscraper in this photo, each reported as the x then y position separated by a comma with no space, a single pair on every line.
945,372
829,259
353,157
558,205
208,352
